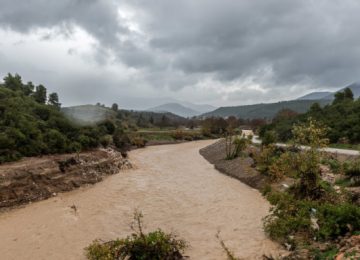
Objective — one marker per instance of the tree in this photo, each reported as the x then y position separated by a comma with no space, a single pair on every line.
40,94
115,107
54,100
164,121
28,88
13,82
348,94
313,135
269,138
315,108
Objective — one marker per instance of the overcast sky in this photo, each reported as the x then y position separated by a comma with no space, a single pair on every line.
139,52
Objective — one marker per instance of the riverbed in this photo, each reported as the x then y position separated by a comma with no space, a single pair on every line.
174,187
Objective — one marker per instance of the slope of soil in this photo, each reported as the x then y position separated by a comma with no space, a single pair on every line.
239,168
38,178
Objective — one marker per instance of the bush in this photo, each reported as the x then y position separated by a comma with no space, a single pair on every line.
138,141
178,135
334,164
106,140
156,245
352,169
337,220
293,217
269,138
234,147
121,140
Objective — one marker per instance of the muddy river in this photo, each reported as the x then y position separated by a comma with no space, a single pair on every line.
176,190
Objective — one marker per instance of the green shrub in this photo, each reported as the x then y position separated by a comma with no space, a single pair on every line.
337,220
292,217
121,140
234,147
352,169
288,217
106,140
138,141
269,138
156,245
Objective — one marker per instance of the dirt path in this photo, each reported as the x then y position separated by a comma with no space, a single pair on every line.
174,187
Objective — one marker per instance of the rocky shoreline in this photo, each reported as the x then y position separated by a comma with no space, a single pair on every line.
38,178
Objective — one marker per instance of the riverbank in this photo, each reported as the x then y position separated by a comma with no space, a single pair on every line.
239,168
38,178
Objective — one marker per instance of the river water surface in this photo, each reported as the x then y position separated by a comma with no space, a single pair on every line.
176,190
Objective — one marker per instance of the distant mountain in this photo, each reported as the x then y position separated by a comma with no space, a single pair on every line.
176,109
326,95
316,95
203,108
267,111
355,88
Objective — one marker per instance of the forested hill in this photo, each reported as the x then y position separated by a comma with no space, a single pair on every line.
92,114
32,123
267,111
342,117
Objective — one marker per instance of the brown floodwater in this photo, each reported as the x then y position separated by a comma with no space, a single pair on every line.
176,190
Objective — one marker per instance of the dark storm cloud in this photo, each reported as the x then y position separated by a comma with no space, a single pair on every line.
275,43
298,40
99,18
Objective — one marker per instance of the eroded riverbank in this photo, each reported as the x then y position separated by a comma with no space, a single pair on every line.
174,187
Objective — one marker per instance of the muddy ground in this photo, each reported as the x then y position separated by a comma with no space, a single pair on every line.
38,178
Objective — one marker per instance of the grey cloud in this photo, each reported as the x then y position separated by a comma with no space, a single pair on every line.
276,43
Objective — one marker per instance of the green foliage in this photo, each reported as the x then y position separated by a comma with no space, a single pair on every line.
352,169
334,164
121,140
268,111
30,127
234,145
293,217
342,118
40,94
214,126
156,245
54,100
269,137
328,254
311,134
337,220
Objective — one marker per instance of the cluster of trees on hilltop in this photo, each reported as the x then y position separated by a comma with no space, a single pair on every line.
342,117
31,123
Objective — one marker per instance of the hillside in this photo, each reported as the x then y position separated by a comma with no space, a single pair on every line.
94,114
88,114
267,111
355,88
175,108
202,108
341,117
316,95
326,95
31,123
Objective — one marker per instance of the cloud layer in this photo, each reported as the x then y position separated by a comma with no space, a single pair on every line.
221,52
